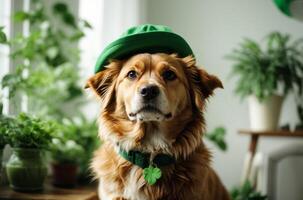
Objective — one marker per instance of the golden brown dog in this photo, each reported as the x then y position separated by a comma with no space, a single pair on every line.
153,103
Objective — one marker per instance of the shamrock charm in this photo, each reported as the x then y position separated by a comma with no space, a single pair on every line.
152,174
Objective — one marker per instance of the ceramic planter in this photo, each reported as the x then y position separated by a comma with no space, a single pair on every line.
26,169
265,115
64,175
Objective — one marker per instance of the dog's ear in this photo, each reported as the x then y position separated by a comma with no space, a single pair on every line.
202,83
103,83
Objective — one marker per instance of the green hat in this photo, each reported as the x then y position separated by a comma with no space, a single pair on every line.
147,38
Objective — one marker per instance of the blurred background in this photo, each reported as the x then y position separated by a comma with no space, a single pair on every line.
51,48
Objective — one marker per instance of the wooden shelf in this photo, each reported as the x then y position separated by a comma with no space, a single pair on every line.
278,133
52,193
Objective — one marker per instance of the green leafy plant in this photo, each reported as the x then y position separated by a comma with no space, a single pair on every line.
48,73
3,38
30,132
5,124
84,133
246,192
3,140
261,72
217,136
49,59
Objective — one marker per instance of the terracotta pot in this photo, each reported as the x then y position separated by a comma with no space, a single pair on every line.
64,175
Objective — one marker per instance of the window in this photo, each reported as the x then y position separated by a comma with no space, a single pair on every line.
5,9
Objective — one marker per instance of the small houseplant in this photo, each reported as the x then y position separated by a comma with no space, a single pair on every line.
262,73
246,192
66,155
84,132
29,137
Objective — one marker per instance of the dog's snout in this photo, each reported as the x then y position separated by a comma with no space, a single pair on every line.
149,92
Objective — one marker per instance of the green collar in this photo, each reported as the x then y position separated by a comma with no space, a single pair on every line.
143,159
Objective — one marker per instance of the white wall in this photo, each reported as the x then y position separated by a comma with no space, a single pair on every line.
213,28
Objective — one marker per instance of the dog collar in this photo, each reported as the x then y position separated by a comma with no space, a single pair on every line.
143,159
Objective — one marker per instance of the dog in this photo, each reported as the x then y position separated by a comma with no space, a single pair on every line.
153,104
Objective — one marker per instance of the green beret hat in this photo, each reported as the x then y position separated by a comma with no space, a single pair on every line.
147,38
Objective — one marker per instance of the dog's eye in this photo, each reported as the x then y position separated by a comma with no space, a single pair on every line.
169,75
132,74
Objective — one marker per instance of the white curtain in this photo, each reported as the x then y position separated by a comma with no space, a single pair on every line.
109,19
120,15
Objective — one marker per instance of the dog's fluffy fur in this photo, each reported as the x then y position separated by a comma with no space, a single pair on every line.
176,128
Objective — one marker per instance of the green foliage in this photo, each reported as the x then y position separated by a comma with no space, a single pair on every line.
84,133
3,38
246,192
260,72
48,74
5,124
49,57
29,132
217,136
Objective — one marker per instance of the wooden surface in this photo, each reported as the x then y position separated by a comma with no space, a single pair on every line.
279,133
51,193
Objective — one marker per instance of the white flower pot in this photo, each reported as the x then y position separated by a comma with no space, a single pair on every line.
265,115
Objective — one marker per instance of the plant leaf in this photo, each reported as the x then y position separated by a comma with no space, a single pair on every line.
3,38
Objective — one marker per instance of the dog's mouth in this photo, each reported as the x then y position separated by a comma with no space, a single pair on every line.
151,109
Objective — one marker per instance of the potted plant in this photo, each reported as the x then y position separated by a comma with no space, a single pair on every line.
263,73
246,192
66,155
84,132
26,168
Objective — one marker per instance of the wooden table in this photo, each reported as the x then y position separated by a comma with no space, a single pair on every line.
51,193
254,138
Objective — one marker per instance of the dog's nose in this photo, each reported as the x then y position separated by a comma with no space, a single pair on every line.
149,92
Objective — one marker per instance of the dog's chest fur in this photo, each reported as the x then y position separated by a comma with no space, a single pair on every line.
131,190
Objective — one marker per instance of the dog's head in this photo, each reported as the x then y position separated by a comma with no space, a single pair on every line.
158,89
